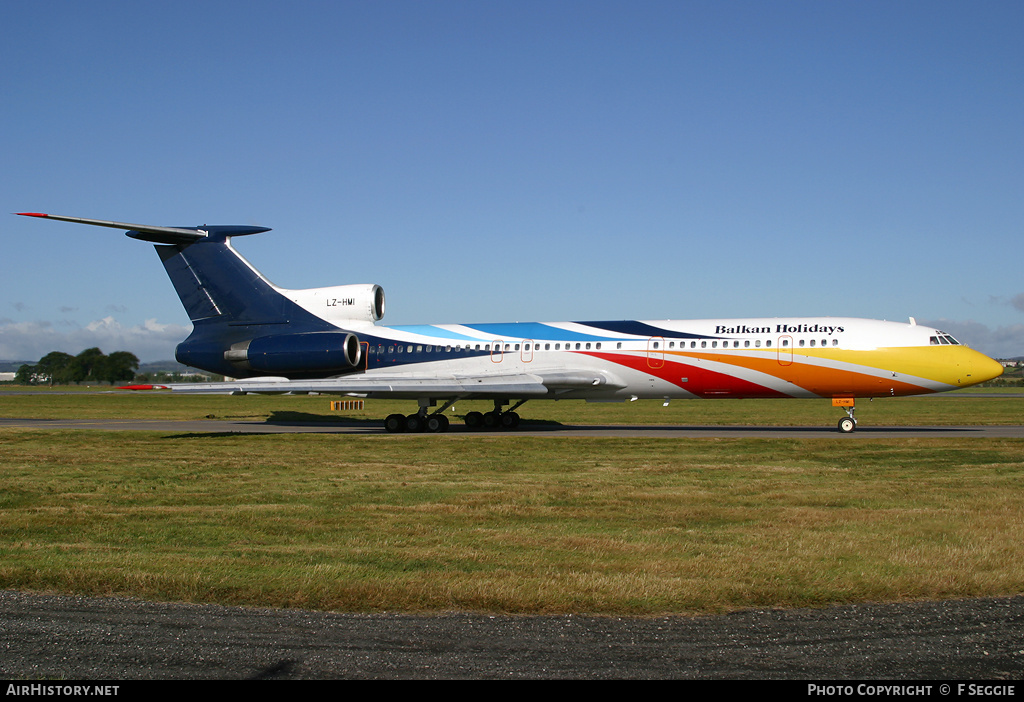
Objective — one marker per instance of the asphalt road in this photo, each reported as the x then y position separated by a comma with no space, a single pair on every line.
80,638
526,429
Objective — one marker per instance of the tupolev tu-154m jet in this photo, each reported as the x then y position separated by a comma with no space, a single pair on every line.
327,340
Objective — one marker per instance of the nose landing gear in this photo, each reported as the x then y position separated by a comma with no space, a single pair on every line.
848,423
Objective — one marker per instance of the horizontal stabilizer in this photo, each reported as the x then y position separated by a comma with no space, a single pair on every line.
155,234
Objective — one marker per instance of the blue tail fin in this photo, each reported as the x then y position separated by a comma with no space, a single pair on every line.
236,313
227,299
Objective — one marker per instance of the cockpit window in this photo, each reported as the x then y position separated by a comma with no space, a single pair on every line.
943,339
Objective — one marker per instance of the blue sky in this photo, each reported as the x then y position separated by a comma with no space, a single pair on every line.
519,161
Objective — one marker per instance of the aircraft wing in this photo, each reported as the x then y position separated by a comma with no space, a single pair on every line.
520,385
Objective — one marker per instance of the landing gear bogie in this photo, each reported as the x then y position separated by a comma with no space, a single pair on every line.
492,420
416,423
496,418
437,422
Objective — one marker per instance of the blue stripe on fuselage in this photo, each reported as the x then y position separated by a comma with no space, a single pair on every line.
533,330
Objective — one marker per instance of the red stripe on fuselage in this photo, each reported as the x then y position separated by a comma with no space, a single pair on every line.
699,381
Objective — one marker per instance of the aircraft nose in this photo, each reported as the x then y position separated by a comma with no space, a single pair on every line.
983,368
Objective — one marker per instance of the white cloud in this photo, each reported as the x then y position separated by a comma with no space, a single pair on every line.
30,341
1018,302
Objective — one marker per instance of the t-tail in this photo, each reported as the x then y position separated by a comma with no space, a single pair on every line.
244,325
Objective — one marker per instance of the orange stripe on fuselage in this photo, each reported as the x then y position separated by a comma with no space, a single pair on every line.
818,379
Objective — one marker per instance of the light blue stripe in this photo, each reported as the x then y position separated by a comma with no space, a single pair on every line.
430,330
511,330
535,330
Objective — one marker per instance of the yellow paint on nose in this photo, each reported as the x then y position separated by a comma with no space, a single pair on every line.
953,366
982,368
960,366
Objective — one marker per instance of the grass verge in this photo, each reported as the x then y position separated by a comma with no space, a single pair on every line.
959,408
509,524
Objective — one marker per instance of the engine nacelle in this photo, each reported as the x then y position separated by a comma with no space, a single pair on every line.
341,303
297,353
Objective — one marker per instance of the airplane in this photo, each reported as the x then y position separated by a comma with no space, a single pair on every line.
270,340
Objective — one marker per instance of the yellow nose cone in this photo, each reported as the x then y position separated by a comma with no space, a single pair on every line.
981,368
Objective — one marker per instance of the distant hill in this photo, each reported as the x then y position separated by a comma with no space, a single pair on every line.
152,367
165,367
13,366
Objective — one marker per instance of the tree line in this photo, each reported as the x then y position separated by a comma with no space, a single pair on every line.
59,368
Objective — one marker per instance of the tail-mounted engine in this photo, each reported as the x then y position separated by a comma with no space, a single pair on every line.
297,353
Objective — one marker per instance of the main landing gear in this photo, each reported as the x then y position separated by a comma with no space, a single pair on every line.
434,423
437,422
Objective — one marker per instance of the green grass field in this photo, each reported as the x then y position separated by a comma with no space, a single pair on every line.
506,523
990,406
